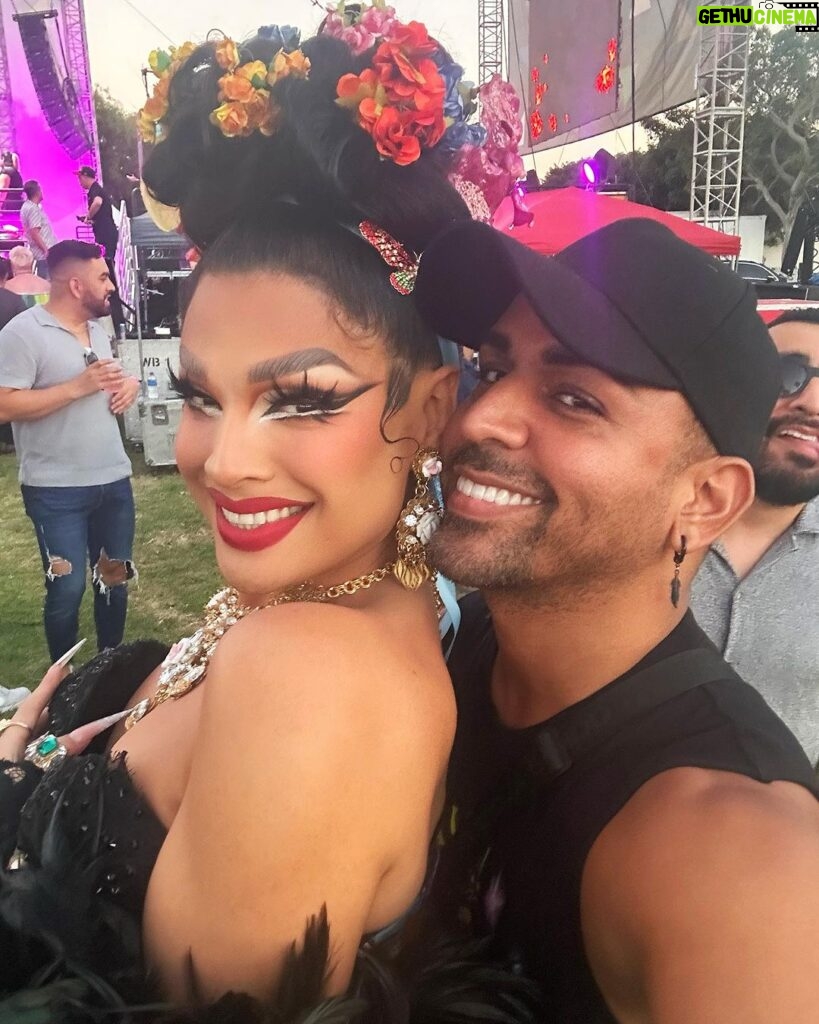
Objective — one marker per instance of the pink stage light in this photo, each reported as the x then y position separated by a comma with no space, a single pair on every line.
41,156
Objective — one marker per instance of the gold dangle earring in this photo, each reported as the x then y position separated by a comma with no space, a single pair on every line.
419,520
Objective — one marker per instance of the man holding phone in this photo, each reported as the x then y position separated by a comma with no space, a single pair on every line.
61,390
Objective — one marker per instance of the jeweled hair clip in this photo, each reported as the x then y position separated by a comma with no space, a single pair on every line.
394,255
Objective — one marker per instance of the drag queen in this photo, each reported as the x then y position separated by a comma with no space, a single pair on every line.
259,820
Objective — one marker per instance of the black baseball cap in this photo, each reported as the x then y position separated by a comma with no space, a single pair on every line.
632,299
89,172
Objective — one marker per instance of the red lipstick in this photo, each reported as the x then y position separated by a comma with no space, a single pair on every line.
258,537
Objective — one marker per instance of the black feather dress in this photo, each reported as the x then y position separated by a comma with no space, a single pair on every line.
78,843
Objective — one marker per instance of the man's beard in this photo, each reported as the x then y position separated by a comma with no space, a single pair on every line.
98,307
492,554
793,480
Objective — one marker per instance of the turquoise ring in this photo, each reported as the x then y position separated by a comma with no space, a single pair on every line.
45,750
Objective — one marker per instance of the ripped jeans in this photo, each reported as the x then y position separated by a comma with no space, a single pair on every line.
74,524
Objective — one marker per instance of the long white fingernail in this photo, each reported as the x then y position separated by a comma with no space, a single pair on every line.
64,660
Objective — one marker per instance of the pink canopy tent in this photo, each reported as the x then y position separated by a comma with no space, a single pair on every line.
563,215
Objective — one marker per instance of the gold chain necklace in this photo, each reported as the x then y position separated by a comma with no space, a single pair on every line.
187,663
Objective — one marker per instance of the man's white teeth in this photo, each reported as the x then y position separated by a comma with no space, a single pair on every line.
251,520
791,432
493,495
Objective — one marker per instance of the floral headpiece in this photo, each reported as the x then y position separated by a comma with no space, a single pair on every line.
412,97
245,101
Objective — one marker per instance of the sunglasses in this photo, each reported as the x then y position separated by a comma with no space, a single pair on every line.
797,373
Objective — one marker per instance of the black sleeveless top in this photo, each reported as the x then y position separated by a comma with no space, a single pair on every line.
526,805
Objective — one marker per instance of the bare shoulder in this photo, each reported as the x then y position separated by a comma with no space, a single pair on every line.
332,666
699,862
687,819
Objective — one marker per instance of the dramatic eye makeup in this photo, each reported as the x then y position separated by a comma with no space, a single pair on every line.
285,401
306,399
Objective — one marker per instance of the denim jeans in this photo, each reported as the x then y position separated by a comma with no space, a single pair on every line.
74,524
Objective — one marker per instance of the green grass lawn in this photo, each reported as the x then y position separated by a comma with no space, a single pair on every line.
173,553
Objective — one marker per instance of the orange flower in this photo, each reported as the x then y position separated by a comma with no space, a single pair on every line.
235,88
392,140
285,64
352,90
226,53
258,110
157,106
231,119
242,84
299,64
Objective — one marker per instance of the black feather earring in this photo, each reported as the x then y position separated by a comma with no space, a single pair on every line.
679,558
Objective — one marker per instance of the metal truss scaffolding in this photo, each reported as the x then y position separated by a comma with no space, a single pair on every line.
79,74
719,126
7,132
490,39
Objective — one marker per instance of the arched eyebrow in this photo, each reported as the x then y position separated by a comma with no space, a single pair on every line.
271,369
295,362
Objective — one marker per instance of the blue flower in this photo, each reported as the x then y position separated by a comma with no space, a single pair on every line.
462,134
452,74
285,37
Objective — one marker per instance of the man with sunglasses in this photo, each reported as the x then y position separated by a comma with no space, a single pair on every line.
757,593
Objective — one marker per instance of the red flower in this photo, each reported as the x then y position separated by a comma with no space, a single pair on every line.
540,92
412,38
536,124
552,122
407,77
612,50
393,139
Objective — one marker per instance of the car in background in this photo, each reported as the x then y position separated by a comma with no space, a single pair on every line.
753,271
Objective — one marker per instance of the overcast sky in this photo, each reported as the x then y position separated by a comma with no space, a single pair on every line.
120,33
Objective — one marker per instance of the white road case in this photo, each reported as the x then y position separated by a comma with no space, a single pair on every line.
160,423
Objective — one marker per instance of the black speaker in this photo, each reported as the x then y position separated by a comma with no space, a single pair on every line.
57,99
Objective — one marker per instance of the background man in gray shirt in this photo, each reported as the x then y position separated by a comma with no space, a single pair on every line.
62,392
36,225
757,593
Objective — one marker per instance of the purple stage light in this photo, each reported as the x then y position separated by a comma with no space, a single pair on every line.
597,170
589,171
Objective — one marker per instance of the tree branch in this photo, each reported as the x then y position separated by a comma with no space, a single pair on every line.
789,129
759,184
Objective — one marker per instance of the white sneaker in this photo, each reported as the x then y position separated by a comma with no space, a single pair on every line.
11,699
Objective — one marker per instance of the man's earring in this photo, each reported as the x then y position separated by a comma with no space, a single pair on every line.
419,520
679,558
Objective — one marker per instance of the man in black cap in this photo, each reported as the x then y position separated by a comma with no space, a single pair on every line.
101,218
631,821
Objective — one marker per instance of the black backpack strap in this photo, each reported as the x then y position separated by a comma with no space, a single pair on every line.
560,744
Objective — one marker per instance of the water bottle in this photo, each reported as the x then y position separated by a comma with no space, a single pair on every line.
152,387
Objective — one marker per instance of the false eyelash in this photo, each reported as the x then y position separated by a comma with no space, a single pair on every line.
183,388
306,393
325,400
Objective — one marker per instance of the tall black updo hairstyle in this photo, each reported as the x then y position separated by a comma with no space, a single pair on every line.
287,202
